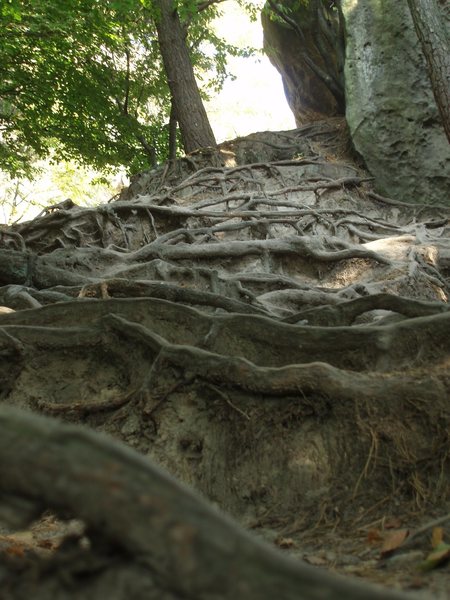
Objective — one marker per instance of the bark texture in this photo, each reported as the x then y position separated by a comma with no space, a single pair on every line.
435,41
187,548
195,129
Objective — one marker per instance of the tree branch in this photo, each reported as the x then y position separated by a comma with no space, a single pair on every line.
204,5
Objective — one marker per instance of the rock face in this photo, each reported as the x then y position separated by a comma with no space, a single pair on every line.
391,112
308,96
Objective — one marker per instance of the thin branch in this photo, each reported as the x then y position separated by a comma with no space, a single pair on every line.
204,5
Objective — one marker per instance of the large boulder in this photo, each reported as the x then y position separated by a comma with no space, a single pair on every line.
315,37
391,111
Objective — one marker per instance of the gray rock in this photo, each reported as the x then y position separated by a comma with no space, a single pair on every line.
131,426
391,112
308,96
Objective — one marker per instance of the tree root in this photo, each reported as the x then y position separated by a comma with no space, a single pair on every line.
156,521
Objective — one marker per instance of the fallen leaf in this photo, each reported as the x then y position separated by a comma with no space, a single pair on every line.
374,536
437,537
436,558
393,541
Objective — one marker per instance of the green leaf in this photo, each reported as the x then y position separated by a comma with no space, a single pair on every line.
437,557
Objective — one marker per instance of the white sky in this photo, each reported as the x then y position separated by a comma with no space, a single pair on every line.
255,101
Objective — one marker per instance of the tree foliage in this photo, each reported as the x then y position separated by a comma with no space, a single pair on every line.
85,79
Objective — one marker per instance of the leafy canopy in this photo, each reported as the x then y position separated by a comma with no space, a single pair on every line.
83,79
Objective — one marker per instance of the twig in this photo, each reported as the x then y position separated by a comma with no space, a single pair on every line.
228,401
85,406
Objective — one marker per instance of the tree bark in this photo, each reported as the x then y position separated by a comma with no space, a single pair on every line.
173,127
194,550
195,128
428,23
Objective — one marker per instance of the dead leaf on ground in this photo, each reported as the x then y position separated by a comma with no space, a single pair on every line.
393,541
437,537
374,536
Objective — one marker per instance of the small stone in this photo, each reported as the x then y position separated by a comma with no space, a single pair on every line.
132,425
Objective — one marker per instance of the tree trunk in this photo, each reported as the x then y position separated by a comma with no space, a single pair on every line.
173,127
191,114
428,23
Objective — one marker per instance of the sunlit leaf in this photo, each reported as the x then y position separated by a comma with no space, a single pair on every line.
83,80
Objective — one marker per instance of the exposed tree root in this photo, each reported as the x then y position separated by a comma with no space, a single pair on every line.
273,332
186,549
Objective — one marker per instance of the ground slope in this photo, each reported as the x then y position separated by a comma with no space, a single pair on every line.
261,324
